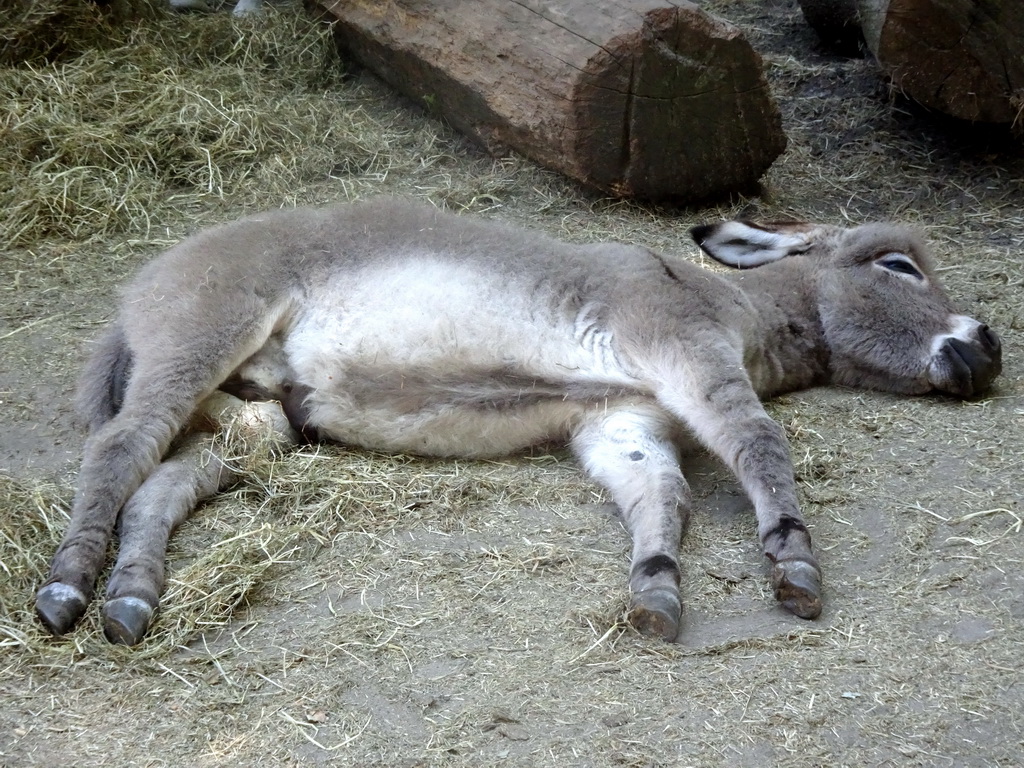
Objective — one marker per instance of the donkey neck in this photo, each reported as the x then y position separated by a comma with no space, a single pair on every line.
784,344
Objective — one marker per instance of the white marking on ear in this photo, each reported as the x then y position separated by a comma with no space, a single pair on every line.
742,245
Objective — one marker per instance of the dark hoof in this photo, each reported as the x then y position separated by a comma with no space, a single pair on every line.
656,612
126,619
60,607
797,586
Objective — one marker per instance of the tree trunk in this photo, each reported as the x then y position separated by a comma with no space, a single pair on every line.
647,98
961,57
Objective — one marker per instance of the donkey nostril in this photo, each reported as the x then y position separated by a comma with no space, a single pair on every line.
989,339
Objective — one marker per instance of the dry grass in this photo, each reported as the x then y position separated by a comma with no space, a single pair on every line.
46,31
360,609
165,116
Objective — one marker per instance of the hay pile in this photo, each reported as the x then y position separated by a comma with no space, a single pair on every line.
41,31
155,118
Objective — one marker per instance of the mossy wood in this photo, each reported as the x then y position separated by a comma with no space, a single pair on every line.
961,57
643,98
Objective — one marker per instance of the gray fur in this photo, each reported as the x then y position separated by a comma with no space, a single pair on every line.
392,326
101,388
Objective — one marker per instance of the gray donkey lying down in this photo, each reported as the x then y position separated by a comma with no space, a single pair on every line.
392,326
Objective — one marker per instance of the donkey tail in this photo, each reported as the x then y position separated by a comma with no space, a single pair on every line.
103,381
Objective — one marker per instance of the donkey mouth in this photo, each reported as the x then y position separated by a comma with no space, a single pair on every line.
967,368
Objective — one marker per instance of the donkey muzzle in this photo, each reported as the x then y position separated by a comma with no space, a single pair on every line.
965,366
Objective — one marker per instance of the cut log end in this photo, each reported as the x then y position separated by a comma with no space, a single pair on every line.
678,108
960,57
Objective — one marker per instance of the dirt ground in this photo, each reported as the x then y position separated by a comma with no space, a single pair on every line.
355,609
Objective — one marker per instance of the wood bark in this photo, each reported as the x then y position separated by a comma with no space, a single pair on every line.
961,57
648,98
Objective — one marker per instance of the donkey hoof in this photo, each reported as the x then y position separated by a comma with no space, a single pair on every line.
656,612
126,619
798,587
59,607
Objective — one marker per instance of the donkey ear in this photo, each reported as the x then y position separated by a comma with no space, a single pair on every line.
745,244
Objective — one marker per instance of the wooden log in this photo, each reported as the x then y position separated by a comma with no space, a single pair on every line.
647,98
961,57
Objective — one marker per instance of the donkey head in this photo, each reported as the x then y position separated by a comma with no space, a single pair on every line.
887,322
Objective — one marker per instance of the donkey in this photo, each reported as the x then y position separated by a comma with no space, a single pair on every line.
392,326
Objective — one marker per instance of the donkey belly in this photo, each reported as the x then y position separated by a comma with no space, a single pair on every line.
445,360
454,407
454,430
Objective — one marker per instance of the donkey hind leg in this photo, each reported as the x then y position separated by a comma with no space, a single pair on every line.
630,451
167,497
160,397
194,472
118,457
731,421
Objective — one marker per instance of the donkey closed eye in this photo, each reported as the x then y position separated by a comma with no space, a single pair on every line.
900,264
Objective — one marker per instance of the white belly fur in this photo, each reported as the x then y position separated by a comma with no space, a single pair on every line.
416,359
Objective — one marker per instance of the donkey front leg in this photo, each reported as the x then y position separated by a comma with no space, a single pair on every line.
727,416
761,460
630,451
193,473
